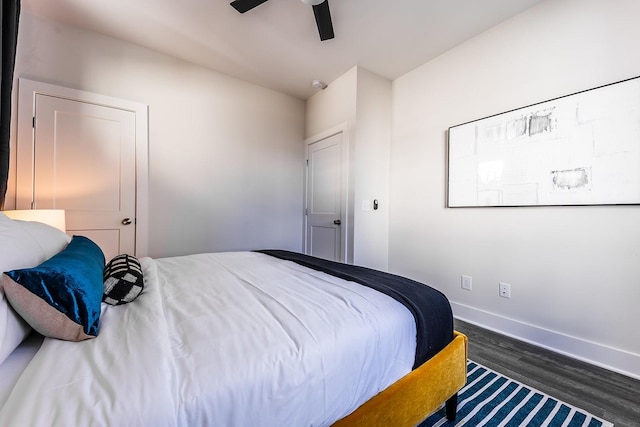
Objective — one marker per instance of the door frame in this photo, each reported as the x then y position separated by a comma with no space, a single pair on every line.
346,214
25,146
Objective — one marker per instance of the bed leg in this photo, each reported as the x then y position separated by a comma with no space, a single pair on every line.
451,406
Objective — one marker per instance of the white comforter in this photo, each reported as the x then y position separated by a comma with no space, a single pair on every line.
227,339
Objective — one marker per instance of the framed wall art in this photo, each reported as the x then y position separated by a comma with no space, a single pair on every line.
579,149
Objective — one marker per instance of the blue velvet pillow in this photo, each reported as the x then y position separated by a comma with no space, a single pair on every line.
61,297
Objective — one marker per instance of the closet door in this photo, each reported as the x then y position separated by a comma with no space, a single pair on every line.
84,163
324,188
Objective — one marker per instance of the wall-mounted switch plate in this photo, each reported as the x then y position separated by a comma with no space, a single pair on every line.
465,282
505,290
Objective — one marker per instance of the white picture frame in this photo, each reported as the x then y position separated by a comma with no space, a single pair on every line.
579,149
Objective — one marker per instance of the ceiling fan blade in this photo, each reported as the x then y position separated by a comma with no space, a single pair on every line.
323,20
243,6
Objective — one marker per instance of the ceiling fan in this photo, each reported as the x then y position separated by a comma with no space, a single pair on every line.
320,10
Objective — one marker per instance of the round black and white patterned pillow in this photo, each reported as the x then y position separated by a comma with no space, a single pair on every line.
123,280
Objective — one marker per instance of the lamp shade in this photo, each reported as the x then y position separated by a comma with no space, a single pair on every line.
52,217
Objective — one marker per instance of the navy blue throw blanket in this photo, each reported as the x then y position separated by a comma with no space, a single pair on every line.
430,308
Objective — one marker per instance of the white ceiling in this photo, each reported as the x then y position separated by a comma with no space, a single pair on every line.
276,45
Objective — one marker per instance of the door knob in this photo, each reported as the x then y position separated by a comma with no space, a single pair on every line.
337,222
126,221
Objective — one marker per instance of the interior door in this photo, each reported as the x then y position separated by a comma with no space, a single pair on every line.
84,163
324,217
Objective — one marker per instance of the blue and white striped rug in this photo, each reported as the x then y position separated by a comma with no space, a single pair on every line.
491,399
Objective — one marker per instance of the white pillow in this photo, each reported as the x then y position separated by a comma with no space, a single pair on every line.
23,244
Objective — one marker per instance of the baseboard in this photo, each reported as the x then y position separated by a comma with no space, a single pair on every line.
613,359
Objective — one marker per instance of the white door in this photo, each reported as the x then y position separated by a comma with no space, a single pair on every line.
84,163
324,217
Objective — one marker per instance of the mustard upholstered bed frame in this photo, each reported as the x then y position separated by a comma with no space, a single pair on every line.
411,399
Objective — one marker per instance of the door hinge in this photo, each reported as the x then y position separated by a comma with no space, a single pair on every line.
306,211
33,122
307,162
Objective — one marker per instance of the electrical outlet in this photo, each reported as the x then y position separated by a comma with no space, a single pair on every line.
465,282
505,290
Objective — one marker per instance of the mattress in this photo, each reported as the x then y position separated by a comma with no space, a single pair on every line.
229,339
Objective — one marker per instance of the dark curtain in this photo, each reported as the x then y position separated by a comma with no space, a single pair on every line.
10,18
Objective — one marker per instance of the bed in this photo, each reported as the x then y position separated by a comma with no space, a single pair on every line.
235,339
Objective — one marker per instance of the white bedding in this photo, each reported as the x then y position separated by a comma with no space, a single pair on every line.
227,339
17,361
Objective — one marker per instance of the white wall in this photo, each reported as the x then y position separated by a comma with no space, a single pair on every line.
373,140
574,271
333,106
361,101
225,156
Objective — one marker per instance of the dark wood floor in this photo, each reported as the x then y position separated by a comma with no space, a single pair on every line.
606,394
